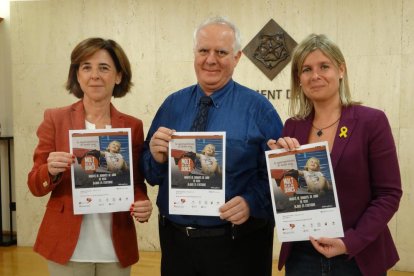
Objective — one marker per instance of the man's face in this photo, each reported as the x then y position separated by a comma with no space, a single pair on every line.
214,60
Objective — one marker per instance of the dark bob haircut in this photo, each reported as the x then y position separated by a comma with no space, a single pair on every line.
87,48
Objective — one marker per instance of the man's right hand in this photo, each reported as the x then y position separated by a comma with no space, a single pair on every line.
159,144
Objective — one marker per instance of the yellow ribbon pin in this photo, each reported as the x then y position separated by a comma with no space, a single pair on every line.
344,131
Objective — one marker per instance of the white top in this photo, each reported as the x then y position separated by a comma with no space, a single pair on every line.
95,238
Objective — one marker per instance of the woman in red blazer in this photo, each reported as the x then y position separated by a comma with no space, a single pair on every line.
364,161
101,243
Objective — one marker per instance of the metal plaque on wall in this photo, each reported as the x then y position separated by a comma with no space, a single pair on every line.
270,50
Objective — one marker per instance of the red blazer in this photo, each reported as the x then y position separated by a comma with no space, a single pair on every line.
368,182
59,232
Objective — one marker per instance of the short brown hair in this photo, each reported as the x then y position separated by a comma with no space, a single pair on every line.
88,47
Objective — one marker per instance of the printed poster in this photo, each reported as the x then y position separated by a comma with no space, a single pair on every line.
303,191
197,173
102,176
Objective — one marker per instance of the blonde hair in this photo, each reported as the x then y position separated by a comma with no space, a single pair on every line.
208,145
316,161
300,106
114,142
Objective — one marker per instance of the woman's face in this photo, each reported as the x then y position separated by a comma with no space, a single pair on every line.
320,77
97,76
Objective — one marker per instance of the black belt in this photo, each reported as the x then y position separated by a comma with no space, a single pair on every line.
198,231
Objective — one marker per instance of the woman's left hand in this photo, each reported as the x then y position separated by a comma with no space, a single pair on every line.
141,210
329,247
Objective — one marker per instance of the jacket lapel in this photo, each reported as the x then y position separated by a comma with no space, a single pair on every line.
116,118
303,129
343,134
78,115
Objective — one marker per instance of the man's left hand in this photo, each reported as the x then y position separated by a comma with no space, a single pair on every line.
236,210
329,247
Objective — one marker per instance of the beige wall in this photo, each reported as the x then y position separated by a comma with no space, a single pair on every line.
376,37
6,109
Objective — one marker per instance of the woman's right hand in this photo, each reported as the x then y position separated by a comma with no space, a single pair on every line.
287,143
58,162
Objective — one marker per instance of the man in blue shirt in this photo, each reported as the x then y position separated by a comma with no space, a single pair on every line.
239,242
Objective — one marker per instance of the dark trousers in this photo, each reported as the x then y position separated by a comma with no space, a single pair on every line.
305,260
247,253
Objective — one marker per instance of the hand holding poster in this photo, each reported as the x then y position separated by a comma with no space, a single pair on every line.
102,181
303,193
196,171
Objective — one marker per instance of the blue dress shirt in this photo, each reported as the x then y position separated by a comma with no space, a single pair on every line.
248,119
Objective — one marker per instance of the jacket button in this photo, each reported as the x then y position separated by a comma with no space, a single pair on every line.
45,184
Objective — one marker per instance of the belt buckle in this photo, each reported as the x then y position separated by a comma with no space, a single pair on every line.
187,230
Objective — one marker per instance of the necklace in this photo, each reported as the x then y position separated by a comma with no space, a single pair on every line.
319,130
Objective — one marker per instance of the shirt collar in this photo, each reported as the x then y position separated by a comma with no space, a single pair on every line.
217,96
